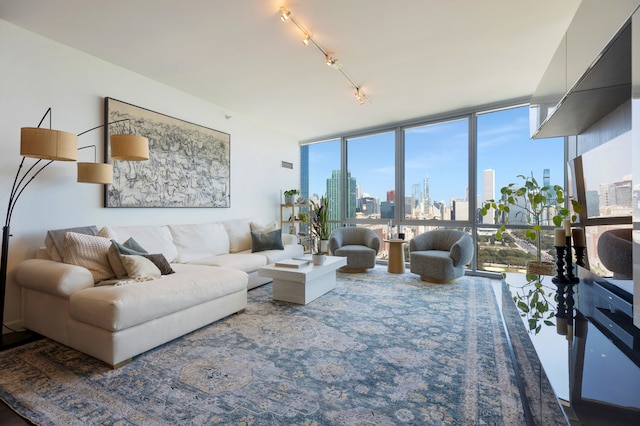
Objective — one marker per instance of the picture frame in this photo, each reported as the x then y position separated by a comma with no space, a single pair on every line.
188,166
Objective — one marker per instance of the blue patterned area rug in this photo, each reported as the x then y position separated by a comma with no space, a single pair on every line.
380,349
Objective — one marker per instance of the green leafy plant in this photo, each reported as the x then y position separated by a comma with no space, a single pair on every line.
535,302
320,220
532,203
291,192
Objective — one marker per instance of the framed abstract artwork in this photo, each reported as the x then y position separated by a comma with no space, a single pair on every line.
188,166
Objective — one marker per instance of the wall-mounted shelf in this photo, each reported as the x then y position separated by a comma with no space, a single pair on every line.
604,86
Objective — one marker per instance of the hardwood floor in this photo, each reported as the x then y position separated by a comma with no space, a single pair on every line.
9,418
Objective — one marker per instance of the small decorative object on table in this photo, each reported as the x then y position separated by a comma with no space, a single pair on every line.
565,278
319,258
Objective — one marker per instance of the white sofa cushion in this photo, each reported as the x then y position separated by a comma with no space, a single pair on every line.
116,308
197,241
154,239
246,261
239,232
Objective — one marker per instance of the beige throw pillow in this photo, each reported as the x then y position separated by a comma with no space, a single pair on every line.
90,251
139,266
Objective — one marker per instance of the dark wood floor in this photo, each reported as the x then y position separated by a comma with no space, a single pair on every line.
9,418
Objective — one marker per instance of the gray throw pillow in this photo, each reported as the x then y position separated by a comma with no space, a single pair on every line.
262,241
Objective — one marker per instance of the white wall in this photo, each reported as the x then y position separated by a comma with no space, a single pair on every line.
37,73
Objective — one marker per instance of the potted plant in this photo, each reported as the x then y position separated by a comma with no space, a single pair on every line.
532,203
319,228
289,196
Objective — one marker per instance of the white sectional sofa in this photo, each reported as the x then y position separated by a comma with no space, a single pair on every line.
69,295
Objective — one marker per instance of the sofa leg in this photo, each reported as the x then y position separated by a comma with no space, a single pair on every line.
241,311
121,364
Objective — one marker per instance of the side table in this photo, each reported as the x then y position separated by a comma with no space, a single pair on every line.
396,256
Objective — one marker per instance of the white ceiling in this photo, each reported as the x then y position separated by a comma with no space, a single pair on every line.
413,58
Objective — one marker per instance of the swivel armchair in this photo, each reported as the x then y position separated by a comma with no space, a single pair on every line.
359,245
440,256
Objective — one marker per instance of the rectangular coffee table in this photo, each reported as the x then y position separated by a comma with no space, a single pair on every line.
302,285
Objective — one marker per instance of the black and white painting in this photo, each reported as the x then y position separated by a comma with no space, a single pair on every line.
188,166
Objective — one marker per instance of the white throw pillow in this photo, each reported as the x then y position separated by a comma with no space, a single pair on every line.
90,252
197,241
258,227
239,232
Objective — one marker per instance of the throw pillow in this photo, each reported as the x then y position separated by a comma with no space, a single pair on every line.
262,241
258,227
130,246
161,263
55,239
90,251
139,266
197,241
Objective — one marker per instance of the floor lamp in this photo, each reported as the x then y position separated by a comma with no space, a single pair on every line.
46,146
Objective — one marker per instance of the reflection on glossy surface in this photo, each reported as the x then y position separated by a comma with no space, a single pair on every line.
595,369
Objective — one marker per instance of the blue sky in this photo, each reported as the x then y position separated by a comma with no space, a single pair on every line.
440,153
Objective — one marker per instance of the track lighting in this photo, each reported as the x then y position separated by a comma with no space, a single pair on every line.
360,96
285,15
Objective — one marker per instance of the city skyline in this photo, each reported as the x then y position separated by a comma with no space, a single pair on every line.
430,152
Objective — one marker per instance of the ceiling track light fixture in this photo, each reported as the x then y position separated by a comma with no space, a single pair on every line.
285,15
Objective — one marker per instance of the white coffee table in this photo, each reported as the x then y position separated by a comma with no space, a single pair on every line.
302,285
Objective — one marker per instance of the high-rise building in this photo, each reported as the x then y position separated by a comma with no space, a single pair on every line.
488,192
416,195
304,171
459,209
333,196
426,197
387,210
391,195
546,177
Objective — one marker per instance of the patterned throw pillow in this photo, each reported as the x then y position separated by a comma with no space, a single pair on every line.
90,251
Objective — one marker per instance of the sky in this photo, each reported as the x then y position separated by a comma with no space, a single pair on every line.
440,152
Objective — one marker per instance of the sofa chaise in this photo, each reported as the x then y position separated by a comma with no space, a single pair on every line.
177,278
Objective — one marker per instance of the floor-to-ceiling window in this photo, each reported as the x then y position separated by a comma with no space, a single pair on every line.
435,173
504,152
371,176
321,176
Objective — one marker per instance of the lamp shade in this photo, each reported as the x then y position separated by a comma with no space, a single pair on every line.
129,147
48,144
95,173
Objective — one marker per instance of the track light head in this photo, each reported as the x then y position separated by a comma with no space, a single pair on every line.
306,39
284,14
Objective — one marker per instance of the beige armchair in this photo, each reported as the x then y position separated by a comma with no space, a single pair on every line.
440,256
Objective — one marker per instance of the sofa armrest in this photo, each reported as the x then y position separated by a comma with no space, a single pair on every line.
55,278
